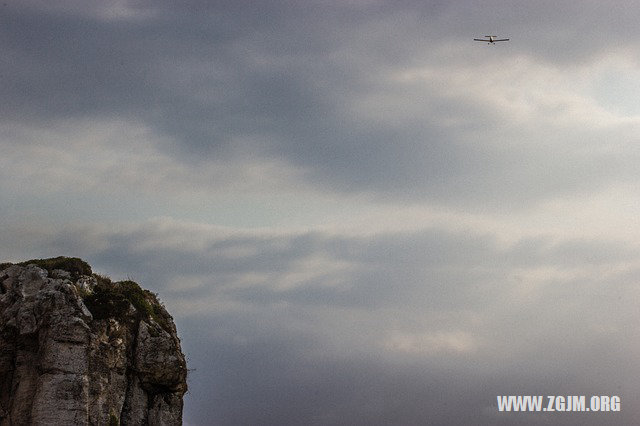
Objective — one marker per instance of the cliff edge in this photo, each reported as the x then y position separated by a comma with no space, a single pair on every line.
79,349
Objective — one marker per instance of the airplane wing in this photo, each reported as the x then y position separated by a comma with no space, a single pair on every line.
479,39
502,39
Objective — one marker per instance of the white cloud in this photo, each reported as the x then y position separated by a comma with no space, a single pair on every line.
445,343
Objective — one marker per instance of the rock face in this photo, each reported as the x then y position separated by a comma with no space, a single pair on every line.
78,349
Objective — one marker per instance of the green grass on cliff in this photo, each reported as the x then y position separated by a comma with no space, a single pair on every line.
112,300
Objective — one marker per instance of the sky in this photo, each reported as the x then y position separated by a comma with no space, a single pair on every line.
355,213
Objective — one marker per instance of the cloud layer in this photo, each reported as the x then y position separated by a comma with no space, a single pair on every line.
398,327
385,99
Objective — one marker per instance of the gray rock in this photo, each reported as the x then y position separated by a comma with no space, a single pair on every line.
61,273
67,362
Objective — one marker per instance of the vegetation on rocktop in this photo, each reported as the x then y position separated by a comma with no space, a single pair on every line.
112,300
75,266
107,299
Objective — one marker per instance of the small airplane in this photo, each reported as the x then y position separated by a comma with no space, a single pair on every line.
491,39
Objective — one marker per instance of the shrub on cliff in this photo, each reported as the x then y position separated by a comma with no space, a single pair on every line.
112,299
75,266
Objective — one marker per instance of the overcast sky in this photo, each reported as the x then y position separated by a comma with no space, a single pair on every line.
355,213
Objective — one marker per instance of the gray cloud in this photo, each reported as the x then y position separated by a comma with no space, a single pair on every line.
295,82
286,388
403,328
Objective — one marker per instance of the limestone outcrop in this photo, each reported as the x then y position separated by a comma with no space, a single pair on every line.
79,349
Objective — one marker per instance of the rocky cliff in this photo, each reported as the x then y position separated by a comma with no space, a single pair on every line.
79,349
